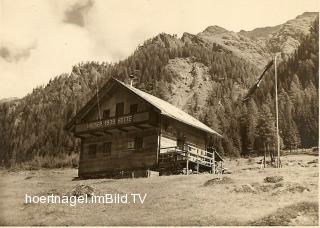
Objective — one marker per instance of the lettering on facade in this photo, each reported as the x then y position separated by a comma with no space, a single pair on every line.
124,119
110,122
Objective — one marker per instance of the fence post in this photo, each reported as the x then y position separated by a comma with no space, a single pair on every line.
213,163
197,162
187,162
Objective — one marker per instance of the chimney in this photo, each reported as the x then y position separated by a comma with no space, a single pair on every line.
131,79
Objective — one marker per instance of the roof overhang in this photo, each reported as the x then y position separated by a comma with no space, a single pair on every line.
112,82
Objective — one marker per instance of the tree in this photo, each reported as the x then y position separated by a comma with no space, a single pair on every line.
248,122
288,129
265,132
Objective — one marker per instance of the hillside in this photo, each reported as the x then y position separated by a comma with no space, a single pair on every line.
205,74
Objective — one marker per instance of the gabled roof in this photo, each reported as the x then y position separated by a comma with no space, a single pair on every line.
164,107
169,110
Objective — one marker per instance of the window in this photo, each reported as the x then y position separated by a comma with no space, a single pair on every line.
135,144
133,108
92,150
138,143
106,113
107,148
119,109
131,144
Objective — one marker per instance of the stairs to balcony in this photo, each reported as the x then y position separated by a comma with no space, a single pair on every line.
190,156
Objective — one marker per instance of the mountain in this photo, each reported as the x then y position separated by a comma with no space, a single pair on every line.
242,46
206,75
283,38
260,44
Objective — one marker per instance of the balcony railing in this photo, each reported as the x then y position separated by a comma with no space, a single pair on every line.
191,153
114,122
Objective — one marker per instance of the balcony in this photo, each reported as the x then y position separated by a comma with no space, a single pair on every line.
121,123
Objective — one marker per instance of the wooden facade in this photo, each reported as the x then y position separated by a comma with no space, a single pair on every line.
122,132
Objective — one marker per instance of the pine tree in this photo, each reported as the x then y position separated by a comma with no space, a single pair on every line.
265,132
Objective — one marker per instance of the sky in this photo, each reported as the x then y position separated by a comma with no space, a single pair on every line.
40,39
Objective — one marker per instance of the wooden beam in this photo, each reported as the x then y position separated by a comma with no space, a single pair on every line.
95,134
107,133
139,127
121,129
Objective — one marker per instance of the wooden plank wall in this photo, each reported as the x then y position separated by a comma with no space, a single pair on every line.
167,142
117,95
171,130
121,157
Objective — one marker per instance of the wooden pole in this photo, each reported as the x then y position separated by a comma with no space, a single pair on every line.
187,163
213,162
197,162
159,140
277,114
264,155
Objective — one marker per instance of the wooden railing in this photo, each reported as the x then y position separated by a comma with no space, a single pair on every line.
114,121
190,153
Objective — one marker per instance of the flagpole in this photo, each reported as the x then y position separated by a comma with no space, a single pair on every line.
277,109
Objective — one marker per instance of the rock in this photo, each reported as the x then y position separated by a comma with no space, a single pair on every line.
278,185
265,188
226,171
247,188
315,161
273,179
223,180
82,190
298,188
292,188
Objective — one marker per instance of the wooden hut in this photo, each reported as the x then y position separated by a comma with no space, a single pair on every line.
124,130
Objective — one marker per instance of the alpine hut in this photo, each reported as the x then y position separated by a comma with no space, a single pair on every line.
125,131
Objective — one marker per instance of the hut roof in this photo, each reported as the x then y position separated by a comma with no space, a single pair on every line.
170,110
164,107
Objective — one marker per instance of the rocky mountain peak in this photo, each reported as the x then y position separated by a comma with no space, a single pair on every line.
167,40
215,30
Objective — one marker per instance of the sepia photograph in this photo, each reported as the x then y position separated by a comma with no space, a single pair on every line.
159,113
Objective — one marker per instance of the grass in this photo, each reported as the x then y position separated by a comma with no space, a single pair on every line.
286,216
171,200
